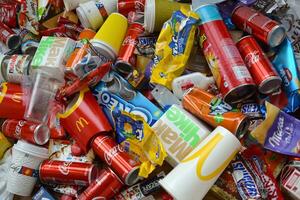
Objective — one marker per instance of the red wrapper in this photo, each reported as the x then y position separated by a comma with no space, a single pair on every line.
70,173
115,156
8,14
127,6
254,155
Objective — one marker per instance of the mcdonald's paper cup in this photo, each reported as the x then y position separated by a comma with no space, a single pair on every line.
84,119
157,12
109,38
92,14
23,171
197,172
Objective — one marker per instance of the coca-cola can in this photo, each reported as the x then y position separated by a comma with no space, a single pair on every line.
259,65
69,173
32,132
9,37
106,186
260,26
226,63
124,63
127,6
115,157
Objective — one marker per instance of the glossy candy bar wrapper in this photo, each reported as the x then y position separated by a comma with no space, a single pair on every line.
173,47
279,132
138,138
62,150
118,93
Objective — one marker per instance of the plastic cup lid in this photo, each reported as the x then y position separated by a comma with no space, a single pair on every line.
31,149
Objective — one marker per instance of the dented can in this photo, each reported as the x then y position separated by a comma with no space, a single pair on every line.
260,26
228,68
64,172
115,156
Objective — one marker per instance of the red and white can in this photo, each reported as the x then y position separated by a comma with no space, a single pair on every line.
32,132
259,65
126,59
227,66
8,13
115,157
12,101
260,26
127,6
9,37
106,186
84,119
69,173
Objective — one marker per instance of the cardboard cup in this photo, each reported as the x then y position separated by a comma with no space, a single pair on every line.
200,169
23,170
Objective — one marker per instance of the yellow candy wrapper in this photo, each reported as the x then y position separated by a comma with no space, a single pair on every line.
173,47
138,138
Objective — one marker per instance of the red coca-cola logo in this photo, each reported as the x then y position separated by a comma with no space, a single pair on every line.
130,41
64,168
19,128
252,58
109,155
139,5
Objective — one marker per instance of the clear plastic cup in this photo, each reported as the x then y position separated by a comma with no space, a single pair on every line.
45,86
23,171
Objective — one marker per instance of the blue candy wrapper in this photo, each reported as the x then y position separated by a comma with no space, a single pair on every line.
42,194
117,93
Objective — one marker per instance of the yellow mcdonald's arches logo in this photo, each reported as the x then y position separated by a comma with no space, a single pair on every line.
81,123
202,155
3,92
17,97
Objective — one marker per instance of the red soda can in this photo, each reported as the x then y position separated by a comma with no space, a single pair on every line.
84,119
124,63
69,173
9,37
127,6
227,66
258,25
106,186
115,157
12,101
32,132
259,65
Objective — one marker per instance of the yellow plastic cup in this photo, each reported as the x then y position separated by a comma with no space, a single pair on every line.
109,38
157,12
4,145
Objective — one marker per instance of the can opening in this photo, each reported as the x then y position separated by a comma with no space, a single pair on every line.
243,128
41,134
123,67
14,42
133,176
239,94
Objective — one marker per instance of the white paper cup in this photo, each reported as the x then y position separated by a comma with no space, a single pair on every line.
72,4
196,174
23,173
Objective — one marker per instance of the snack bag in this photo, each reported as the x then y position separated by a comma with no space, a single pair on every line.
173,47
137,137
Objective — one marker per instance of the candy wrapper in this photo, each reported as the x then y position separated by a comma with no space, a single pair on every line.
173,47
279,132
62,150
49,8
255,157
116,92
28,16
137,137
